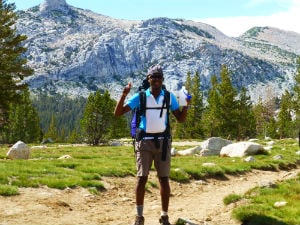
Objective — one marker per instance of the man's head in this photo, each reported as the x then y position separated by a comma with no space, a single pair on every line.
155,76
156,69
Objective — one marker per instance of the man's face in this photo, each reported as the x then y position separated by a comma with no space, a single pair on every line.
156,80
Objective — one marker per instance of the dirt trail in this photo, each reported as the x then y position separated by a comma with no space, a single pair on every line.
196,201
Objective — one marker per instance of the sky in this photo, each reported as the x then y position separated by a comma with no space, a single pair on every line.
232,17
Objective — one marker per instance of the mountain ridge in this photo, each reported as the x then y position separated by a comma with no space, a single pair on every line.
76,51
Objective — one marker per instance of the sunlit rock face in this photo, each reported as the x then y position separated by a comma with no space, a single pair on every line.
49,5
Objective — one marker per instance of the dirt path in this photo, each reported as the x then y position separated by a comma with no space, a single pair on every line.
198,202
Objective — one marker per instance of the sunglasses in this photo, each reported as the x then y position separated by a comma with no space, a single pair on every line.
158,77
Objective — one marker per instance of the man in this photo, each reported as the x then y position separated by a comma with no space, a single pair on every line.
154,140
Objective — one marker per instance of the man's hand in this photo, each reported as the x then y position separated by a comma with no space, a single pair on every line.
120,107
188,99
127,89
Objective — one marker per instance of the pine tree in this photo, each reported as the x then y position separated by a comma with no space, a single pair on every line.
212,117
12,62
297,83
119,127
74,137
97,118
296,101
285,122
194,124
228,105
245,116
68,112
23,120
188,82
52,132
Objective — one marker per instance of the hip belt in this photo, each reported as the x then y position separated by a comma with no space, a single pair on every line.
165,136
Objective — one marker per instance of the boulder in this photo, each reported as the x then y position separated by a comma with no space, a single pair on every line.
208,164
278,157
19,151
115,143
268,148
65,157
280,204
213,146
189,151
249,159
173,151
241,149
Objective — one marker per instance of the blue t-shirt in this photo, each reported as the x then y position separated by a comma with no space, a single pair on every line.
134,102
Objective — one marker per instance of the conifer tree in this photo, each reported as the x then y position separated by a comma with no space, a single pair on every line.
228,105
90,119
223,110
97,118
285,122
296,101
194,118
12,62
297,83
212,117
74,137
23,120
188,82
119,127
245,116
52,131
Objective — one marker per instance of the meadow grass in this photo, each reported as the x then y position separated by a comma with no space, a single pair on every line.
88,165
231,199
261,208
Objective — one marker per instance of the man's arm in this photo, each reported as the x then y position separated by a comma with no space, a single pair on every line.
120,107
180,115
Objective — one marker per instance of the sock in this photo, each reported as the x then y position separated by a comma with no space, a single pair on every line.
139,210
163,213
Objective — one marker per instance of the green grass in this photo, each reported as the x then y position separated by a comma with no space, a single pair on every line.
232,198
8,190
85,168
261,210
89,164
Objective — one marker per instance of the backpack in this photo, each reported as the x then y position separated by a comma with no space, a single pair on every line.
140,111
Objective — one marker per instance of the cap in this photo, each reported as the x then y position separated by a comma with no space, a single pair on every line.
155,69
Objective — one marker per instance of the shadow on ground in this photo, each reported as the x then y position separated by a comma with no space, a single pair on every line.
262,220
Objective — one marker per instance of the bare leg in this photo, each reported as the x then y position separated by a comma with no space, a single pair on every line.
140,190
165,191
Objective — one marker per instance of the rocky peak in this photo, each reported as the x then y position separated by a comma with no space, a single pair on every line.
49,5
75,51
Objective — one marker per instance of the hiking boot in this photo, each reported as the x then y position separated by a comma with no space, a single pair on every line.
139,220
164,220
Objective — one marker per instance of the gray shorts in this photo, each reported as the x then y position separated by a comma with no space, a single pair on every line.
147,152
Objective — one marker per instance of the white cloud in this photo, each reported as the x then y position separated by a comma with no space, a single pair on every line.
235,26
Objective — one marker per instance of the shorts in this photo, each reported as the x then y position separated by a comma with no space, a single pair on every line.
147,152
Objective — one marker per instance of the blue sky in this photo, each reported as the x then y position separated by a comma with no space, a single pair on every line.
232,17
